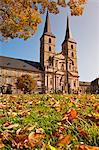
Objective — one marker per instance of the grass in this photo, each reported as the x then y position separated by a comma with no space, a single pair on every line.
52,117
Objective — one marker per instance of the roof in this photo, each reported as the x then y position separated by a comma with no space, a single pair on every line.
14,63
47,27
82,83
95,81
68,30
49,34
59,56
68,35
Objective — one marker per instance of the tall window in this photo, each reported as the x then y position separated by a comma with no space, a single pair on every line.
51,81
71,46
70,66
72,54
49,40
62,67
74,83
49,48
50,60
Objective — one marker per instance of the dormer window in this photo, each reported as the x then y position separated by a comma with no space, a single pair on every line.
8,63
49,40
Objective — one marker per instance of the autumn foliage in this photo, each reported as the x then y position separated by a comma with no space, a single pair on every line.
26,83
35,122
20,18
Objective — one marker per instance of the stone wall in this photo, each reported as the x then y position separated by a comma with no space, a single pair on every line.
9,76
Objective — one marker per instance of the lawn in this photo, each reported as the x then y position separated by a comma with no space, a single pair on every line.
49,122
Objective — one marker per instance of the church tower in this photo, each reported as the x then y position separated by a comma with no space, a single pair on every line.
47,52
70,53
47,45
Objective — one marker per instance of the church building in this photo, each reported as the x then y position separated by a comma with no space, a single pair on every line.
56,71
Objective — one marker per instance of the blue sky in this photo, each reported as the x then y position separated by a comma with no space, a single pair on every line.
85,30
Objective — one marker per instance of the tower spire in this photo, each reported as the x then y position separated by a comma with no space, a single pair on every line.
68,30
47,27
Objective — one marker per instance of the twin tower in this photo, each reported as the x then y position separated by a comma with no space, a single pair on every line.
60,69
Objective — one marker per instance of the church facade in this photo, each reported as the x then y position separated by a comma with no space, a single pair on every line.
61,72
55,71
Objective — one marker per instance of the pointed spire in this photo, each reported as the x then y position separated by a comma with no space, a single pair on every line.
47,27
68,30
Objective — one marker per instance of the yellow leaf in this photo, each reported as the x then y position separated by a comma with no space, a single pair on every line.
51,147
1,144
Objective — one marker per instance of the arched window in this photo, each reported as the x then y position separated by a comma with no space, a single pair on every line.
50,60
74,83
62,67
72,54
70,66
49,40
49,48
71,46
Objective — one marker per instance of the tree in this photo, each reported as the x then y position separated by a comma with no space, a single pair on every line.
26,83
20,18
